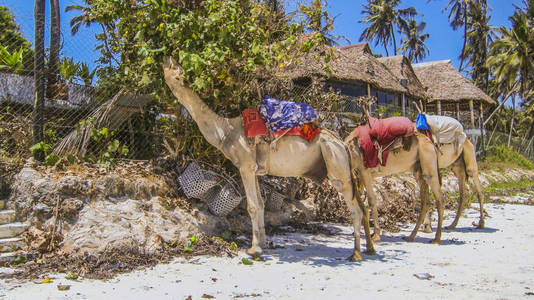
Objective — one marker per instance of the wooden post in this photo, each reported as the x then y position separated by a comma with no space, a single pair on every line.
369,95
403,103
481,121
472,113
438,107
458,111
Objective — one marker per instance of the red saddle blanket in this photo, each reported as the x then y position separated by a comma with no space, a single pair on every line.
255,126
383,132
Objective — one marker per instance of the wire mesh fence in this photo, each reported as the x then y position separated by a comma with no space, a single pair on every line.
81,118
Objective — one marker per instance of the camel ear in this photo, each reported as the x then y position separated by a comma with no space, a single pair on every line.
169,62
172,70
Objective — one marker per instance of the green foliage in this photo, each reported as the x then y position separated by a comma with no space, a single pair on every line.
12,39
68,69
246,262
12,62
413,41
41,146
20,260
384,18
71,276
504,154
103,136
227,48
223,45
233,246
85,75
52,159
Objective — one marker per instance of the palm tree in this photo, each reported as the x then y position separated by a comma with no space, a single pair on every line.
458,16
55,31
317,19
38,75
512,58
84,19
414,40
479,38
383,16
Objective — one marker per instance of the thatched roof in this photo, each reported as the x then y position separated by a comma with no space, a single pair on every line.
350,63
445,83
401,67
111,114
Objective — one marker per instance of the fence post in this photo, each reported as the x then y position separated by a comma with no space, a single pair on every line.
38,76
481,120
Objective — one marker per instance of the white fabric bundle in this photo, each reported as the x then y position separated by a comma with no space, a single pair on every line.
446,130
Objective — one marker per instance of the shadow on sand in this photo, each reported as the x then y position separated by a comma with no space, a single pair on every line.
316,252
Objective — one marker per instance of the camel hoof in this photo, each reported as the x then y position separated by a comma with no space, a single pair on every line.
371,251
435,242
376,238
426,228
355,257
480,225
254,251
408,238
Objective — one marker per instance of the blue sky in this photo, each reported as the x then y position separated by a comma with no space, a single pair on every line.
444,43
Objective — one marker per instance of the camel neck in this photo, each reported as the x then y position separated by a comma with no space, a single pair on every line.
212,126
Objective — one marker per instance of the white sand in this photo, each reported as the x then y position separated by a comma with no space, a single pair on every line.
494,263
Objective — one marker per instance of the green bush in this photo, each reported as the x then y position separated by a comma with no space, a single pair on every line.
505,154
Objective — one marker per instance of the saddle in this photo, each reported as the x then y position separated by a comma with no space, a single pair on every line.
379,136
262,139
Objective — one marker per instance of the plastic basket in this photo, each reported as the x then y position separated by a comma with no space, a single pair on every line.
225,201
196,182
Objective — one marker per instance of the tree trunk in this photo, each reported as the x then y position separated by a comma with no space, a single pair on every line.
512,123
512,90
38,75
462,55
55,31
394,41
386,47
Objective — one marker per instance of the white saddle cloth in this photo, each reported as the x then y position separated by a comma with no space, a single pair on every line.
446,130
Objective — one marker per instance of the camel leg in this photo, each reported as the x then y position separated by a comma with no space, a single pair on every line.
459,170
365,212
436,189
471,167
255,207
423,195
346,189
371,195
339,173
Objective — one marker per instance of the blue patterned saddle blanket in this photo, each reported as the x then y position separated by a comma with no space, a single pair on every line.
282,115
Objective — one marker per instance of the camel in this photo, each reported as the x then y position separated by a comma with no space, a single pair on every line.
291,156
464,165
462,161
420,159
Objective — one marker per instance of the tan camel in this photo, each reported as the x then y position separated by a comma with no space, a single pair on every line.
325,157
464,165
420,159
462,162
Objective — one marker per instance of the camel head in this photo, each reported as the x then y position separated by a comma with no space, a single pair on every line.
173,71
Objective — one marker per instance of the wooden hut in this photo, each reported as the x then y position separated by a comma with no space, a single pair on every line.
453,94
353,71
401,67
